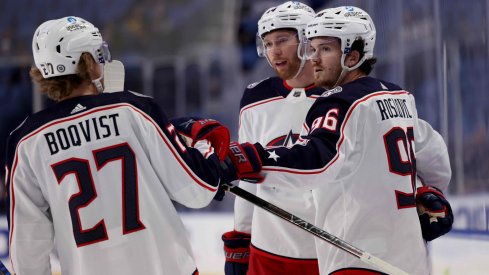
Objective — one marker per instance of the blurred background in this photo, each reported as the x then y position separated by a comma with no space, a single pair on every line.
195,57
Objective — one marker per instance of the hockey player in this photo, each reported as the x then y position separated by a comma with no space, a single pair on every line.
97,172
361,145
272,112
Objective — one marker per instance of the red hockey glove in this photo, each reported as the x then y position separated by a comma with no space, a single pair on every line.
195,129
435,213
237,252
243,163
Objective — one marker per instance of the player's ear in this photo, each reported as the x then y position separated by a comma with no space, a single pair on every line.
352,58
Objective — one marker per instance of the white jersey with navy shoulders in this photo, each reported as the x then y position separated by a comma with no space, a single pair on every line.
363,142
272,114
98,175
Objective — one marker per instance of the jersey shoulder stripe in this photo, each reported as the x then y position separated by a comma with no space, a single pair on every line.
346,101
260,91
144,106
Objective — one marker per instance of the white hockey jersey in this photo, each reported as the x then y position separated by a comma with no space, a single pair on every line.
272,114
95,177
359,157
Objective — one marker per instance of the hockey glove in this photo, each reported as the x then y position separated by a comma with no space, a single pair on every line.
435,213
237,252
219,196
243,163
194,129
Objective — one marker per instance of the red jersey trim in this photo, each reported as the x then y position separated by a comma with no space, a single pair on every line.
256,104
356,271
162,135
340,141
266,263
290,87
264,253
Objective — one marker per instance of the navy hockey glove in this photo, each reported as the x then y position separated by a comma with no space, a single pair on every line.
435,213
237,252
243,162
194,129
219,196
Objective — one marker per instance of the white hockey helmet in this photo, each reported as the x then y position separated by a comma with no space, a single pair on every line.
348,24
289,15
58,44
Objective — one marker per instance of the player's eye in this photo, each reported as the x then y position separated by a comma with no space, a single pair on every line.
282,40
324,49
267,45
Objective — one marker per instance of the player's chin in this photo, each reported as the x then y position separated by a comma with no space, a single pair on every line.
284,74
323,82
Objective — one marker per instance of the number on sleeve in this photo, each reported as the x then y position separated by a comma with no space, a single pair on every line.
331,120
173,132
328,122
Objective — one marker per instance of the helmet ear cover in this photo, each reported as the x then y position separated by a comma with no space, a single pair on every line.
58,44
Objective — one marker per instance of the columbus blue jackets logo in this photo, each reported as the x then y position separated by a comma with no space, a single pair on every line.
285,140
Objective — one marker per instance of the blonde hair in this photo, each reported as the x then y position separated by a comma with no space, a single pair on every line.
59,87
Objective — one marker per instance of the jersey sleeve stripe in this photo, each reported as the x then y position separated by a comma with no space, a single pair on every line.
174,151
340,141
249,106
259,103
160,132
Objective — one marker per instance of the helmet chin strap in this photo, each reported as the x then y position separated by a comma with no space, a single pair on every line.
301,55
346,69
98,81
303,63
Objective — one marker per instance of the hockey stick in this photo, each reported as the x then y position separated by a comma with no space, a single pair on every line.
316,231
3,269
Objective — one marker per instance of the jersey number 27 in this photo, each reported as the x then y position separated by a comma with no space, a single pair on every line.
81,169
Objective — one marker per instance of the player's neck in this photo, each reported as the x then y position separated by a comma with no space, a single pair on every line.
85,88
352,76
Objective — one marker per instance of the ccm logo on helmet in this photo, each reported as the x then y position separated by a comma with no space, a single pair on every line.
356,13
75,27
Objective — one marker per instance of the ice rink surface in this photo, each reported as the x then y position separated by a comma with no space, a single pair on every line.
453,254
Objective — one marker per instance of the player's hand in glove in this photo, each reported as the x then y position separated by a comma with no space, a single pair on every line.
435,213
219,196
193,129
237,252
243,162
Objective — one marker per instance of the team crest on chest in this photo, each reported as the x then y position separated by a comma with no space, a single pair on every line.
285,140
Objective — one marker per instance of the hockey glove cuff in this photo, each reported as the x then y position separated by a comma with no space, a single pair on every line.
237,252
243,162
435,213
194,129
